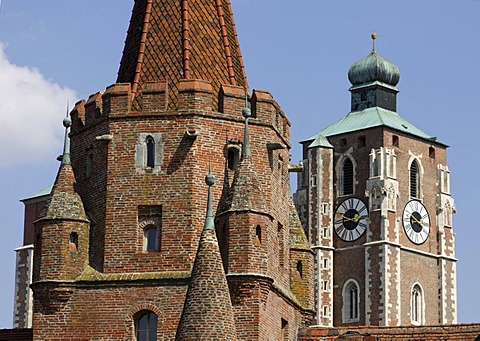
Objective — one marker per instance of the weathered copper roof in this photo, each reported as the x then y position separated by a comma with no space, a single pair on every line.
369,118
42,193
190,39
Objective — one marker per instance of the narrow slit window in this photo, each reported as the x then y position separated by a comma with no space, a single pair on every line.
73,242
258,234
300,269
150,152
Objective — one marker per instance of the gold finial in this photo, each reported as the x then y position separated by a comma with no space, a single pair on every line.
374,36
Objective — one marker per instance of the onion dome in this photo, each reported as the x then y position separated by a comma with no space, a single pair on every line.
373,68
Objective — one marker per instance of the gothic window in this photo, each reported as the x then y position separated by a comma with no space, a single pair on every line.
146,325
149,153
150,142
346,177
351,302
415,180
417,306
150,238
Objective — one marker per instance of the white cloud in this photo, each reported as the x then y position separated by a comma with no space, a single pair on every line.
31,113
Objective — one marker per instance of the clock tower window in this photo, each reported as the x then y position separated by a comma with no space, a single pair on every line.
350,302
346,179
414,180
417,305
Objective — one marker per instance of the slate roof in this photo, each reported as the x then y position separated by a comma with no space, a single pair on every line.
173,40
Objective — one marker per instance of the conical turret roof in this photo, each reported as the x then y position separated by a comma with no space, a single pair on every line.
190,39
207,312
64,202
246,193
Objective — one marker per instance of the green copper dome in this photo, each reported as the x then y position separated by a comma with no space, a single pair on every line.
373,68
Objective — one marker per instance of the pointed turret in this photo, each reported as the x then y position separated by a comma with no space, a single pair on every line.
64,202
207,313
174,40
62,226
246,192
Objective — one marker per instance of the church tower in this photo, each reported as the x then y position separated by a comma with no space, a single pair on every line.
122,250
374,198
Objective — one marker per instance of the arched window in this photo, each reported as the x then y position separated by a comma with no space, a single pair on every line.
150,152
146,324
151,238
351,302
414,180
417,309
347,177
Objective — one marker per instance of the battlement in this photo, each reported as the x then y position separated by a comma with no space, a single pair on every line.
194,96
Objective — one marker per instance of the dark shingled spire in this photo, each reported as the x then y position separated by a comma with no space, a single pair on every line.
207,312
185,39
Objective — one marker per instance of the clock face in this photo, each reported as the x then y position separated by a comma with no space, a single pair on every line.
416,222
351,219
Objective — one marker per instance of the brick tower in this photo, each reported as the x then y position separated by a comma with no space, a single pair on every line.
118,238
374,197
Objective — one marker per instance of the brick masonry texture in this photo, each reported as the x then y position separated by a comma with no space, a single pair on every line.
182,85
96,288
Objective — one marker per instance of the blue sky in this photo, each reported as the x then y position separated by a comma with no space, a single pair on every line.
54,51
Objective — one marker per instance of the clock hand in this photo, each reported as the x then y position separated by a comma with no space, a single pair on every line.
357,217
419,222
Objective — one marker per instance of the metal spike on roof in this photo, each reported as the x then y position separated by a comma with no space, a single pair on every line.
67,122
210,181
246,112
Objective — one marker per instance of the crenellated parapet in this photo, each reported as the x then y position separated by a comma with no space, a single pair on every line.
195,96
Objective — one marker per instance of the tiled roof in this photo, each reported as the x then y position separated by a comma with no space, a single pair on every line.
173,40
369,118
